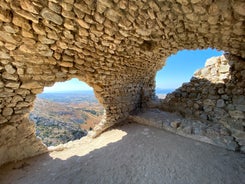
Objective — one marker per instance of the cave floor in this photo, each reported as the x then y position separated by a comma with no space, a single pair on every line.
130,154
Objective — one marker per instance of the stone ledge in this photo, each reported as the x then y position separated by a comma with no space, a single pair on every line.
215,134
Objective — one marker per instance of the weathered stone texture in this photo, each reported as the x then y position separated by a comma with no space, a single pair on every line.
209,132
114,46
13,144
216,94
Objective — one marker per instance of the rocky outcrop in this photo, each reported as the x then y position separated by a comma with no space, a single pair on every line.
115,46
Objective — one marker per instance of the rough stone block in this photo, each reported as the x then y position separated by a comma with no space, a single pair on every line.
112,15
220,103
239,7
7,111
21,22
51,16
237,114
29,6
31,85
5,15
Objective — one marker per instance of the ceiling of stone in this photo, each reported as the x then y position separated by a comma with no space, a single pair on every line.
106,39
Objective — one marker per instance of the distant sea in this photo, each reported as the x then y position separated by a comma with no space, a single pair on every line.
64,96
61,93
164,91
70,91
69,96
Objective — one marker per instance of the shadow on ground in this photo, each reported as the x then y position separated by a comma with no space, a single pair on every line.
131,154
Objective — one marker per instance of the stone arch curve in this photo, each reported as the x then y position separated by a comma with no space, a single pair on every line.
116,46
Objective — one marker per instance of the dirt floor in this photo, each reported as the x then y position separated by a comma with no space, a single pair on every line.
131,154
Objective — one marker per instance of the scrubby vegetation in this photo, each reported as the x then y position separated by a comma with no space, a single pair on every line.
63,117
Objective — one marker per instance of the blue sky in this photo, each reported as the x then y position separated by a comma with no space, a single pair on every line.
71,85
179,68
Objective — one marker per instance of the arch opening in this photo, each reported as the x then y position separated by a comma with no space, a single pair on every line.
38,49
213,102
65,112
180,68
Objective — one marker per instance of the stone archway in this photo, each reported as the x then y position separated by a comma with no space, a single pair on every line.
114,46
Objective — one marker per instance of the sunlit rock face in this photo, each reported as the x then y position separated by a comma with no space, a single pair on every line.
114,46
215,95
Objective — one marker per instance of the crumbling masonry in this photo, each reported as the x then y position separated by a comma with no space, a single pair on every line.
116,47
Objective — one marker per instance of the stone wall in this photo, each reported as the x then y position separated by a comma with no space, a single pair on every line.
115,46
215,94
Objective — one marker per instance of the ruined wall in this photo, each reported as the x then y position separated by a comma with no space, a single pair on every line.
115,46
216,94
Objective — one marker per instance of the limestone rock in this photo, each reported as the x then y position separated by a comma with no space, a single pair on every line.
224,68
112,15
175,124
10,46
4,55
31,85
45,40
7,111
65,64
39,29
211,61
239,8
55,7
1,84
28,16
14,85
10,28
5,15
83,24
21,22
51,16
8,37
28,6
237,114
220,103
8,76
27,49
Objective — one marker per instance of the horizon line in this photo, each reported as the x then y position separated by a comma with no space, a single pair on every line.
61,91
91,90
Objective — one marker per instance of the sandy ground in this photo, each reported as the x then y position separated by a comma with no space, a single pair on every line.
131,154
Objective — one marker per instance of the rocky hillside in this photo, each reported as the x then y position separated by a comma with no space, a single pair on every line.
62,117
